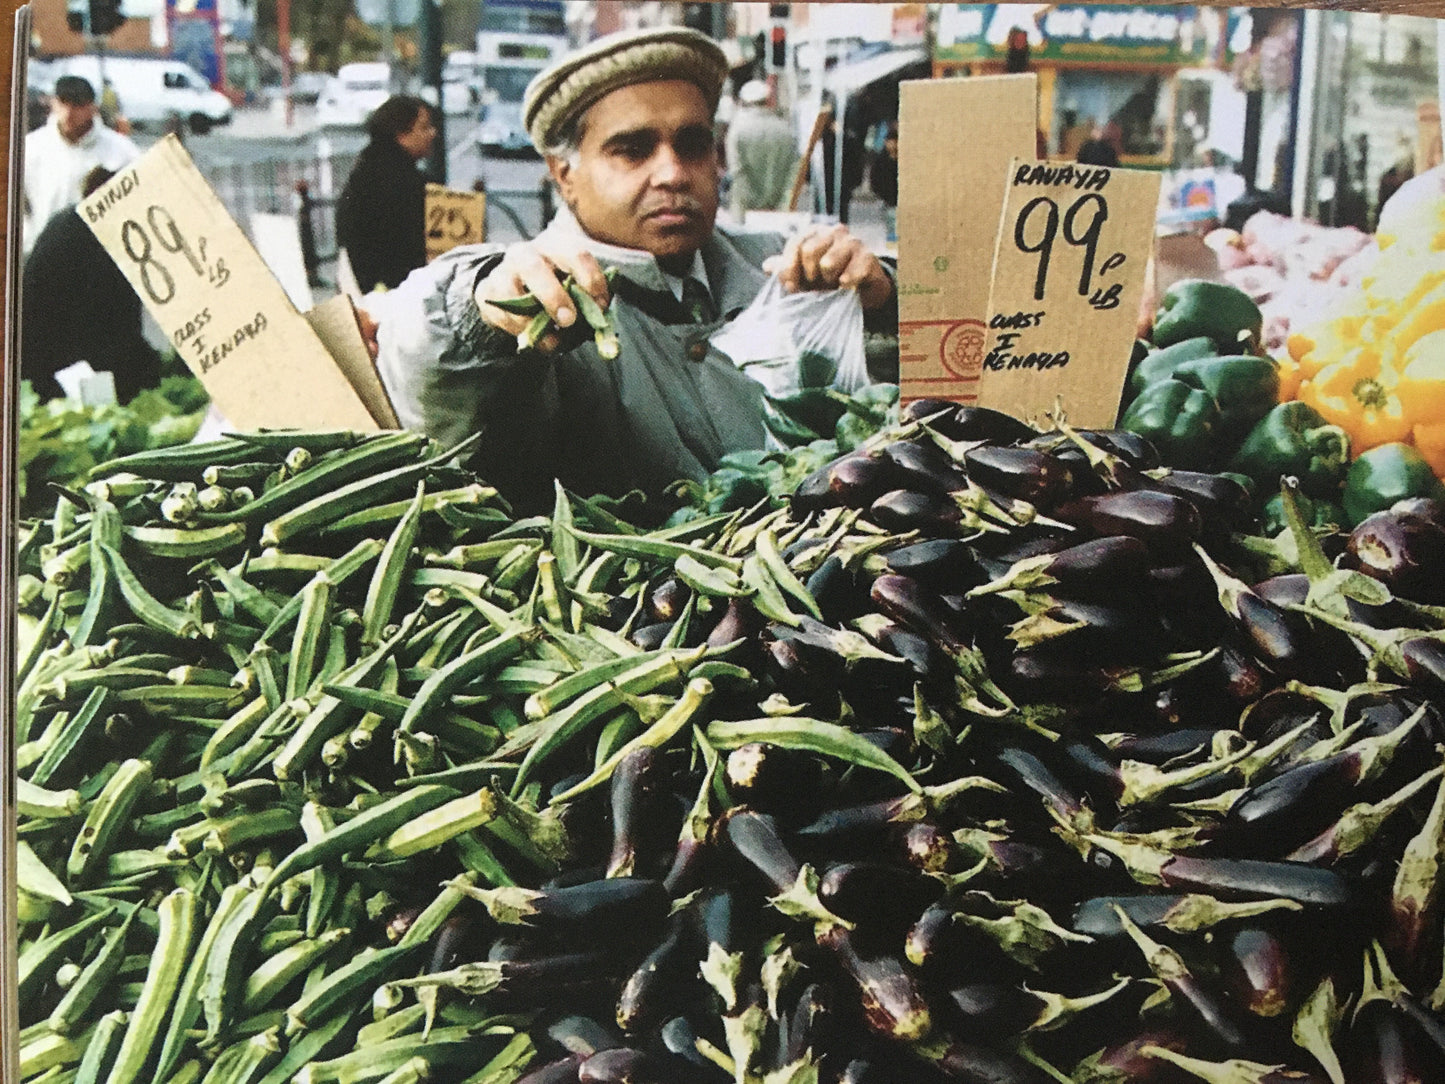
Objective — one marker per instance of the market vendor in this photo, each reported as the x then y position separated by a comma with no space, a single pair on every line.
625,126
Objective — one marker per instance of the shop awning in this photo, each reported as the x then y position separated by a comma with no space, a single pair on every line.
845,80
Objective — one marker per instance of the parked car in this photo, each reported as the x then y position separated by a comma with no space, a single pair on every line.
461,89
153,91
307,87
500,128
348,99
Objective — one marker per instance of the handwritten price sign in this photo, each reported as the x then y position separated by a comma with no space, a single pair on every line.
453,218
223,310
1068,272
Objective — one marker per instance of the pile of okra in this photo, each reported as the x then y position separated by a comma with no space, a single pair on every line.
995,756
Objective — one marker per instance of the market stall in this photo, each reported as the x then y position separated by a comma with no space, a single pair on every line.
928,743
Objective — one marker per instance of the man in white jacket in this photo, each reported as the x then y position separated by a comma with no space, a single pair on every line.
59,155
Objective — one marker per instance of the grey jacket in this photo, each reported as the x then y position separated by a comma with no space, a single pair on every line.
667,408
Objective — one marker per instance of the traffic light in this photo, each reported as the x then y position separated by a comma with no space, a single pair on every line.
105,16
778,36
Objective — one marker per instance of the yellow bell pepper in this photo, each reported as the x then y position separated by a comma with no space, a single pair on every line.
1429,441
1418,321
1399,283
1324,344
1290,376
1361,396
1421,387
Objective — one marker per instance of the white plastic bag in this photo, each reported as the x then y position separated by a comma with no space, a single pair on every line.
769,339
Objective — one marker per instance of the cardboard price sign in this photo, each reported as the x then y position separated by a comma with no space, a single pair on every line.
1068,272
956,138
453,218
217,301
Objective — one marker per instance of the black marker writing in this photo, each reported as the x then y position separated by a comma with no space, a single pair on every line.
1091,179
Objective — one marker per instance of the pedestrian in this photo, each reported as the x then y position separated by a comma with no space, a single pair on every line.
78,306
762,154
1097,150
854,151
60,155
111,113
381,215
625,126
883,178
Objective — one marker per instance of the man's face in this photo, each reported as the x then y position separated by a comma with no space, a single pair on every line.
418,139
72,119
645,175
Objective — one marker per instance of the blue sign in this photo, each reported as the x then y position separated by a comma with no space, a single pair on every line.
193,42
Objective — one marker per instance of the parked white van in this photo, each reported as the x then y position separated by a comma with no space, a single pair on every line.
348,99
152,90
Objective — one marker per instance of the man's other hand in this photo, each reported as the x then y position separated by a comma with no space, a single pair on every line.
827,258
533,267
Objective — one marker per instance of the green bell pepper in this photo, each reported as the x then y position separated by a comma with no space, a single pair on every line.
729,489
816,370
787,430
1244,387
816,408
1180,420
1193,307
1317,512
1385,474
1160,364
1294,438
852,430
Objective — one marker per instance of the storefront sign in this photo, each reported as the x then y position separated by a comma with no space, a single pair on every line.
1068,271
220,306
1084,33
453,218
948,210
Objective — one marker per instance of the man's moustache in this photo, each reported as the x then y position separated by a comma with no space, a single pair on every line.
683,204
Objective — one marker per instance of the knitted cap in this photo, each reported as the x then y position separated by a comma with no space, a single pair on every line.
562,92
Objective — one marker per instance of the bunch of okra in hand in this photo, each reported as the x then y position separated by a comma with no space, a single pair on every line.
592,314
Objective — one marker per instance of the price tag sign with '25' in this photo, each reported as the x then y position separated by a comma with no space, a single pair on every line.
453,218
217,301
1068,272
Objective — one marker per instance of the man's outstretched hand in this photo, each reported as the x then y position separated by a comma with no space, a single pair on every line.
532,268
827,258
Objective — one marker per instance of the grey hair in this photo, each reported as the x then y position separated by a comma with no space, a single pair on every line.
568,142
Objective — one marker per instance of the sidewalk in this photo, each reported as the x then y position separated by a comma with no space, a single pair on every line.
267,121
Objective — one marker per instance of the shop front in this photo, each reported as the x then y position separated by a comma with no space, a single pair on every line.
1105,72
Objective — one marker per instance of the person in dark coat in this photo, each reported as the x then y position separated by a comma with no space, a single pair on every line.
1098,150
78,306
381,215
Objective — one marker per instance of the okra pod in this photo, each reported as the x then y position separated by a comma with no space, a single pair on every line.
179,914
92,981
108,815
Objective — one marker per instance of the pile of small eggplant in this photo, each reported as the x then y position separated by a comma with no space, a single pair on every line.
998,756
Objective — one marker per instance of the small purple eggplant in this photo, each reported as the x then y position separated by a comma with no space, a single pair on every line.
1023,474
1403,551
